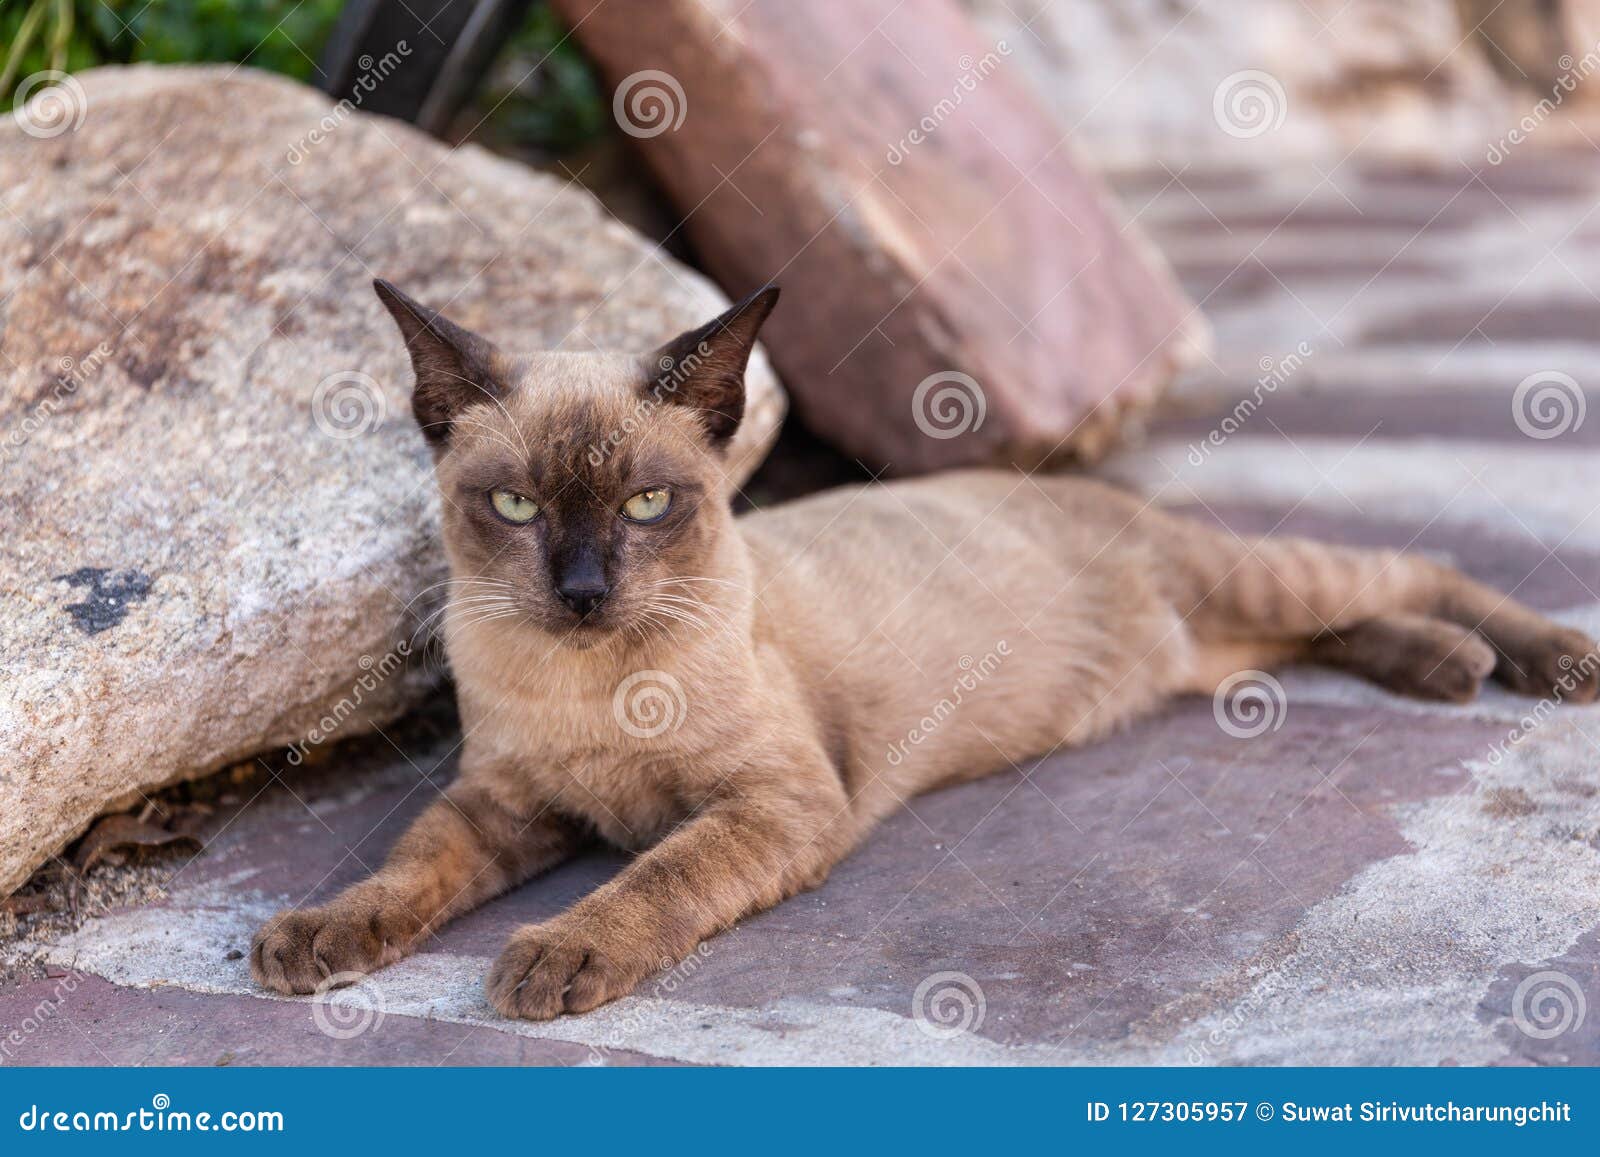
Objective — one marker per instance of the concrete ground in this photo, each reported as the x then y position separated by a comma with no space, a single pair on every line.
1340,876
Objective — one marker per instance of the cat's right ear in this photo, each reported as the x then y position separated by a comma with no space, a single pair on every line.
454,366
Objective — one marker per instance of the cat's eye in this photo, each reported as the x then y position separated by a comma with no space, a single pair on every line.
513,507
647,505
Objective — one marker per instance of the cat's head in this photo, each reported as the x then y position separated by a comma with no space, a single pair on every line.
583,494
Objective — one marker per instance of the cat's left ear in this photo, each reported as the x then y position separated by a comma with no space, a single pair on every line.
704,368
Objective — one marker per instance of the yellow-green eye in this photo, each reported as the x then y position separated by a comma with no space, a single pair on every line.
647,505
513,507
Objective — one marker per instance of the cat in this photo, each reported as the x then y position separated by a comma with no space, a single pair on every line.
740,699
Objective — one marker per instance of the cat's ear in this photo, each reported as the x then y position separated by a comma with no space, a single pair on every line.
704,368
454,366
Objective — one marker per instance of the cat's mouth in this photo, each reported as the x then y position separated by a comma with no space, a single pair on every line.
581,629
584,632
589,626
591,621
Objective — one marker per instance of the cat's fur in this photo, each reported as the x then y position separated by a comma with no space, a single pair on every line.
755,693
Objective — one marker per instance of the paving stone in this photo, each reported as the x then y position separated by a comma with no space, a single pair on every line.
1370,881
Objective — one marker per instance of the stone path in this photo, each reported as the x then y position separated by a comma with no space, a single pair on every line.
1345,877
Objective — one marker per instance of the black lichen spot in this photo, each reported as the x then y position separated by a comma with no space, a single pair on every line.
110,595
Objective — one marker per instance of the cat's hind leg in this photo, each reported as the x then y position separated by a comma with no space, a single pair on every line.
1278,590
1410,654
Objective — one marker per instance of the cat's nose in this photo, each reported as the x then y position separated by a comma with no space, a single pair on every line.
583,598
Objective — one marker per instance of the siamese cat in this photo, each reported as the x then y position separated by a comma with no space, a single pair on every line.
740,700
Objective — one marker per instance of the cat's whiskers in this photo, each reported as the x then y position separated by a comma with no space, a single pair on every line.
468,607
475,614
479,619
711,610
481,595
693,606
690,613
470,602
666,619
466,587
672,608
464,581
694,578
658,606
680,585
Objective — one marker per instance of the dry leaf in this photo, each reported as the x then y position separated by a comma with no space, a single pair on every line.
26,905
117,834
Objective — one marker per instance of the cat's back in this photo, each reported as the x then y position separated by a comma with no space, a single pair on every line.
979,509
954,544
1024,602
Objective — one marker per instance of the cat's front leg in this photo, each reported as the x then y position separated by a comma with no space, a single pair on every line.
463,850
741,854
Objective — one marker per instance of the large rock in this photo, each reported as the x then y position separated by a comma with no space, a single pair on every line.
215,508
955,290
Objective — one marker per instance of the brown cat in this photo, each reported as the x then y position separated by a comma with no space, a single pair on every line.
740,700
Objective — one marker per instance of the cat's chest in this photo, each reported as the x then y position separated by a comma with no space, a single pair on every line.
632,800
632,787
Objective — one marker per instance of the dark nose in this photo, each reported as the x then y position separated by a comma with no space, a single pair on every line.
583,598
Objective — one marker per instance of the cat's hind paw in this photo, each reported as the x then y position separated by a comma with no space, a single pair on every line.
1560,663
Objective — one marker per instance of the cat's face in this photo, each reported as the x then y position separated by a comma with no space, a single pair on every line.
583,495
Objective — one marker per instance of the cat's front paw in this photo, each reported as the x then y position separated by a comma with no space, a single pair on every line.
548,969
300,951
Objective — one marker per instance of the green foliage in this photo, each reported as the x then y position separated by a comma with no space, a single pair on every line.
542,92
279,35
